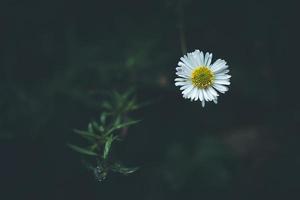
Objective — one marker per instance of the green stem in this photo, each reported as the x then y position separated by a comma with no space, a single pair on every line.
182,37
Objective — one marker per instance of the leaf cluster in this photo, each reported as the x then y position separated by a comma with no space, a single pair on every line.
101,135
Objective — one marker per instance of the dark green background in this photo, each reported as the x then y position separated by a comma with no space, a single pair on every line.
57,58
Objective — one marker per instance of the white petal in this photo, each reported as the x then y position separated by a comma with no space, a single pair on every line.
181,83
222,82
196,60
218,65
197,57
194,94
201,95
180,79
201,58
209,60
182,70
188,94
181,64
185,87
183,67
222,76
182,74
221,68
206,58
188,90
203,103
197,95
186,62
220,88
222,72
213,91
215,100
205,95
209,95
192,59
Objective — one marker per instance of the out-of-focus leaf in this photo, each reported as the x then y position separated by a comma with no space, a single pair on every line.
127,94
86,134
107,146
141,105
82,150
103,118
123,125
101,129
107,105
95,125
131,105
127,124
90,128
117,120
122,169
93,147
117,96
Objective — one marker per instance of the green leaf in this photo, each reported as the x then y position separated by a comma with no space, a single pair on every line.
127,124
131,105
123,170
117,120
87,135
95,125
107,146
90,128
82,150
123,125
107,105
103,118
101,129
117,96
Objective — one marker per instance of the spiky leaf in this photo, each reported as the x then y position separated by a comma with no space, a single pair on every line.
82,150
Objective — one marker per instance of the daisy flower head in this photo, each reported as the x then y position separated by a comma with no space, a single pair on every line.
200,79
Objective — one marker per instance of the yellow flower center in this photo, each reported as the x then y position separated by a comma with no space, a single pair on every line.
202,77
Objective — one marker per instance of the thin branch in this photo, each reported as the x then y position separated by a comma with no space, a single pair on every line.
181,27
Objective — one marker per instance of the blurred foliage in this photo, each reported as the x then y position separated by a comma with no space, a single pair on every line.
110,128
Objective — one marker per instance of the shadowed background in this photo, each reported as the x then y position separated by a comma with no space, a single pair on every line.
57,58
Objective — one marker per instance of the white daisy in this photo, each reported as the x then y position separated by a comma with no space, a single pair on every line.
199,79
